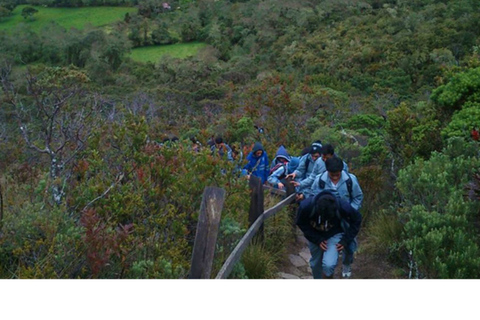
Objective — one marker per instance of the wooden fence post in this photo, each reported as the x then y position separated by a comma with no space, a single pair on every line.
207,231
290,188
256,203
292,209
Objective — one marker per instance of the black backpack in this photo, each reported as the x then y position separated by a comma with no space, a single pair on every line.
349,183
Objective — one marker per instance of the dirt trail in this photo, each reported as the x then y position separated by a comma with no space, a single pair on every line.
365,265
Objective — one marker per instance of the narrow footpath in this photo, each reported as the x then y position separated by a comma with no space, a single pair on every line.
364,266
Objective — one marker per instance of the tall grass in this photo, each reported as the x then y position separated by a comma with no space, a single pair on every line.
66,17
154,53
261,260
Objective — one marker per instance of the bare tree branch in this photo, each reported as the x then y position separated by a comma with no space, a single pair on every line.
117,180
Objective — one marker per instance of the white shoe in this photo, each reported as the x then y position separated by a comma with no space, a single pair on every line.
346,271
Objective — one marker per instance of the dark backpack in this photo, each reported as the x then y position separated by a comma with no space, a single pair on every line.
275,167
349,183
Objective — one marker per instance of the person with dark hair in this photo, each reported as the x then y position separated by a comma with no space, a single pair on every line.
169,141
222,149
330,225
196,145
328,152
344,185
305,166
318,167
305,151
258,164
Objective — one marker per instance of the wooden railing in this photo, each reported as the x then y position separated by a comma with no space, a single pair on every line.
209,220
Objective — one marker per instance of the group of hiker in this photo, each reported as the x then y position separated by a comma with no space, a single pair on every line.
329,198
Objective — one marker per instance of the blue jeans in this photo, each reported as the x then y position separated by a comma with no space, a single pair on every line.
325,262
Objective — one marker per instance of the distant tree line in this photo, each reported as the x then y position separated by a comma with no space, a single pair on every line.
69,3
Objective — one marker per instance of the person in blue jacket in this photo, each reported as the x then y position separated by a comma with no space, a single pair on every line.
279,168
277,177
344,185
330,225
307,162
306,184
258,164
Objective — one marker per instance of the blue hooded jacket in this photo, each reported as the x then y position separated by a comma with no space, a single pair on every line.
275,177
293,164
257,166
281,153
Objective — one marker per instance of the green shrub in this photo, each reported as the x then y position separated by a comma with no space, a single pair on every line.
463,121
443,245
439,221
40,242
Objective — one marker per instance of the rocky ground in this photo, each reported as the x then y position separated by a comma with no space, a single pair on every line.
365,266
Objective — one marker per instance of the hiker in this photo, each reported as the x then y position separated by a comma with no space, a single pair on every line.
196,145
277,178
330,225
328,152
279,169
237,156
169,141
258,164
237,153
344,185
222,149
211,144
305,167
307,161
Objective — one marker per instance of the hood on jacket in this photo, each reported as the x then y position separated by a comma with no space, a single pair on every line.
281,153
293,164
257,146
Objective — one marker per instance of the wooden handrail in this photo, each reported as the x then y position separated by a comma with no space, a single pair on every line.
237,252
280,192
242,245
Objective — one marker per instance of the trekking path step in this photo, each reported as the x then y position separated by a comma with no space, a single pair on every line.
365,266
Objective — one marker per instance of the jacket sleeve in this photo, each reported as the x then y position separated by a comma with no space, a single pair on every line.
303,222
249,165
318,168
274,177
314,188
354,219
357,194
300,171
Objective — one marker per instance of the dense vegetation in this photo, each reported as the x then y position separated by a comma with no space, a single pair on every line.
87,191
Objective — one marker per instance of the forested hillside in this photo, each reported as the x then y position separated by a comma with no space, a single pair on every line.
92,184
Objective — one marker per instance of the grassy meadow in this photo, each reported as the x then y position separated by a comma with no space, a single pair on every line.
178,50
67,17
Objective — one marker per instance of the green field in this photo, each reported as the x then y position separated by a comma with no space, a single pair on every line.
178,50
67,17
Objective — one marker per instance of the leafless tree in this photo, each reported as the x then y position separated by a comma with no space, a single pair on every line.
54,117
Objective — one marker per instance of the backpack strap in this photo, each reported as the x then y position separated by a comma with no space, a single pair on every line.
349,182
256,165
321,182
349,186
